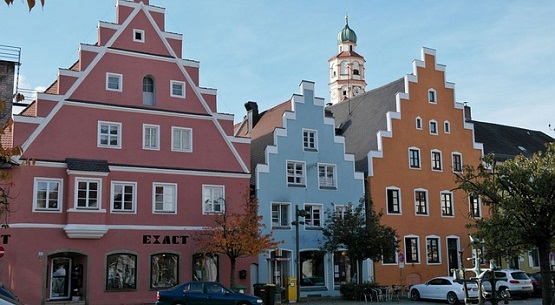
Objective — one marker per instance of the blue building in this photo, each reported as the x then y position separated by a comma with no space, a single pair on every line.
299,164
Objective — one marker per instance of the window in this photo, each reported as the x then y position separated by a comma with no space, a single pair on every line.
205,267
164,270
123,196
213,199
418,123
344,268
138,35
432,96
149,91
414,158
47,194
446,127
411,249
326,176
151,137
340,211
310,140
393,201
474,202
432,250
109,135
313,216
164,197
446,204
390,256
295,173
313,266
177,89
87,193
114,82
534,258
60,286
280,215
457,162
433,127
121,272
421,202
182,139
436,160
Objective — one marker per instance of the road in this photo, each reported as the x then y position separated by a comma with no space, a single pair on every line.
330,301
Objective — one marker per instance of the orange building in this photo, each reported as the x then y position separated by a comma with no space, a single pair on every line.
410,137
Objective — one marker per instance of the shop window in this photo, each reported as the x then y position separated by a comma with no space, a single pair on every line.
205,267
60,286
344,268
164,269
312,266
121,272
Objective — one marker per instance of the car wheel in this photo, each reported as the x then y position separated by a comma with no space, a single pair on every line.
452,298
414,295
504,293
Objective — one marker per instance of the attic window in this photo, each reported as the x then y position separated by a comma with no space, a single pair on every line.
138,35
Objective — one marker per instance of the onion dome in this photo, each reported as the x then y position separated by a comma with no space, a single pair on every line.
347,34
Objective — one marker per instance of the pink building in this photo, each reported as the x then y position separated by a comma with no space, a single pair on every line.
130,158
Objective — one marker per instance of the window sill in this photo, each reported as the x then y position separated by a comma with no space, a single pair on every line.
313,228
329,188
310,149
281,228
83,210
296,185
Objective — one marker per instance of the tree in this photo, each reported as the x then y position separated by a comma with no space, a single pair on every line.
236,234
520,195
359,232
30,3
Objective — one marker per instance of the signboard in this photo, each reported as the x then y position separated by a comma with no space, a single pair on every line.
401,259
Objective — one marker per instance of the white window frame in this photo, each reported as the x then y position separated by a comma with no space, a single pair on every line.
310,139
433,127
181,147
438,239
177,83
123,184
151,145
446,127
211,205
434,155
399,205
118,136
298,180
167,207
98,196
426,203
141,32
453,157
59,182
409,259
531,261
309,219
339,211
432,92
418,123
443,206
283,207
326,182
478,205
119,78
419,158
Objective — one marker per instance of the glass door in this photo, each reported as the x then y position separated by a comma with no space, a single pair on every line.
59,278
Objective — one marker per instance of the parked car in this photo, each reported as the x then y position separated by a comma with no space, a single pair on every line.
536,279
7,297
204,293
515,281
443,288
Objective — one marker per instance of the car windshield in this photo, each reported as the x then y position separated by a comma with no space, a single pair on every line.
519,276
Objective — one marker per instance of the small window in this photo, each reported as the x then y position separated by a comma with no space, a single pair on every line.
393,201
114,82
182,139
419,123
457,162
446,127
432,250
432,96
151,137
474,206
326,176
436,160
138,35
295,173
177,89
313,216
310,140
414,158
87,193
433,127
47,194
280,215
340,211
123,196
213,199
356,72
109,134
412,250
149,91
421,202
164,197
446,204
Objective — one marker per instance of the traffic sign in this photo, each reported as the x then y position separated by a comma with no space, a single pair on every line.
401,257
2,251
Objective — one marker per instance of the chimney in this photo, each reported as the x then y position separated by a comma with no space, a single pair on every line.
467,112
252,114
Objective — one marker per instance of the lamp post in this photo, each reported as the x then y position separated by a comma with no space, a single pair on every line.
296,223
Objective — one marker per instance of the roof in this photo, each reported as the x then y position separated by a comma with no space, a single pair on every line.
360,118
506,142
87,165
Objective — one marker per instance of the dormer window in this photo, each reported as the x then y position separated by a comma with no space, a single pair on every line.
432,98
138,35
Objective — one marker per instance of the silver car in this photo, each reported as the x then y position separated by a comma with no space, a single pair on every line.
444,288
515,281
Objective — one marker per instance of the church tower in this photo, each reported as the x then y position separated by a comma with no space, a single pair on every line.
346,68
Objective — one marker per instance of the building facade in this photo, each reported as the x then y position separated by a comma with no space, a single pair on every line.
301,165
125,158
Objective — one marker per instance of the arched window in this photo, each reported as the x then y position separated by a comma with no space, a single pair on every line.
149,93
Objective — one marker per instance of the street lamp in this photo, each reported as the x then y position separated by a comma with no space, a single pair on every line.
296,223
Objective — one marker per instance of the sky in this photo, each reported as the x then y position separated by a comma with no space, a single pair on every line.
499,54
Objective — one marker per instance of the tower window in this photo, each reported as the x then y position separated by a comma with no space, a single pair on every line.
356,72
